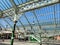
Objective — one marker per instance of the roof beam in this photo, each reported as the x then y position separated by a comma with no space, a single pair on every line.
35,4
2,26
1,14
14,6
29,23
8,23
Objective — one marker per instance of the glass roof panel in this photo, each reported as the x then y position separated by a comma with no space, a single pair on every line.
45,15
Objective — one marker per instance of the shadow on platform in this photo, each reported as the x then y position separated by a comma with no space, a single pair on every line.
4,44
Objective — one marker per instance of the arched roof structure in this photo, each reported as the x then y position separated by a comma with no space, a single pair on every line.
48,18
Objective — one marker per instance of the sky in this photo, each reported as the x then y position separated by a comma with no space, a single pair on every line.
44,15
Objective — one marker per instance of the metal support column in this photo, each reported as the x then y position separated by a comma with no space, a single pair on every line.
15,20
13,31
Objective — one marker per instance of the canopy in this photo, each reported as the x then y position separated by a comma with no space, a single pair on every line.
45,16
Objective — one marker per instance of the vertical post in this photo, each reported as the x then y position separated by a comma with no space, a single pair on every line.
40,39
13,31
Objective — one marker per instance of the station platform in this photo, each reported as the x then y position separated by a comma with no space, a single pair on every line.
17,42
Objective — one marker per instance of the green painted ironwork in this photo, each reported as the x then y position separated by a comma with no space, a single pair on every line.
13,31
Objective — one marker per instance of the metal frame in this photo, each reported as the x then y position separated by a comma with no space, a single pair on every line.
22,9
3,26
43,4
7,23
